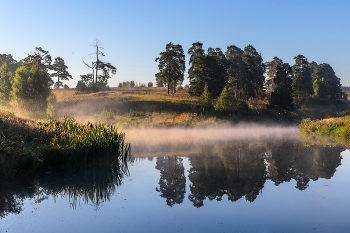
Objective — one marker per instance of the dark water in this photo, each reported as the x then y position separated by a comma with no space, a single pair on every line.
254,185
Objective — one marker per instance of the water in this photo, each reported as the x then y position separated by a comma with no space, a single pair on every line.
178,183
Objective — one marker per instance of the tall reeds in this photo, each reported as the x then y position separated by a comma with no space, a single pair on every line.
85,144
27,145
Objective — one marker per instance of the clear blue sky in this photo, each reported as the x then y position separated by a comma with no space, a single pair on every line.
134,32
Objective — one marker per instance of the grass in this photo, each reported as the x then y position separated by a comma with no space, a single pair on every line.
27,145
153,107
339,126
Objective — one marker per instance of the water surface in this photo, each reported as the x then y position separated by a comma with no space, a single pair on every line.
193,182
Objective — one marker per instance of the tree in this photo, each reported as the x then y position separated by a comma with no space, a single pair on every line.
108,70
302,77
235,69
150,84
195,51
206,70
159,81
11,63
60,72
206,100
271,70
281,96
255,68
171,66
325,83
40,57
5,83
226,101
31,84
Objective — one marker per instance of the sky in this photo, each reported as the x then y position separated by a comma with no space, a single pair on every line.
133,33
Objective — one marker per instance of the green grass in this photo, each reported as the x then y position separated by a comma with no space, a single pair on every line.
28,145
326,127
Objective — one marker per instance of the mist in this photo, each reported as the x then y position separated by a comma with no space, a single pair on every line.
169,140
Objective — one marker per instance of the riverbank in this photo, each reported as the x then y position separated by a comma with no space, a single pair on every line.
28,145
339,126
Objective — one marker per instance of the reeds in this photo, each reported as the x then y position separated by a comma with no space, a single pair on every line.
27,145
85,143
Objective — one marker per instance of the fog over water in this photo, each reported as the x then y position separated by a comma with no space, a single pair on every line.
169,139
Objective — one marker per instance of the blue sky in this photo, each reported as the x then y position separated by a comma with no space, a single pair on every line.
134,32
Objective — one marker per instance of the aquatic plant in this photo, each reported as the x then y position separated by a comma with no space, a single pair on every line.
28,145
83,143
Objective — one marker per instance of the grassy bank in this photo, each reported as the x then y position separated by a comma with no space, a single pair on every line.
339,126
29,145
152,107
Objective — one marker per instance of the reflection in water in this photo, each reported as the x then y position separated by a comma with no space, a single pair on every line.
93,186
172,182
240,169
236,168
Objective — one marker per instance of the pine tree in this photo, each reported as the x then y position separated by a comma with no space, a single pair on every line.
5,83
226,101
206,100
171,66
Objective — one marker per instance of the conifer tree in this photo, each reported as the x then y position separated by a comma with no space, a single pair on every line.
61,72
5,83
226,101
206,100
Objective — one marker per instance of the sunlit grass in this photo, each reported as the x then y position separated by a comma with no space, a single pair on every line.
331,126
26,144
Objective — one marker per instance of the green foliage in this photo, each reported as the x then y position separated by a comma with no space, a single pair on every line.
254,77
83,143
281,99
5,83
302,86
30,89
51,105
320,91
171,66
206,70
150,84
105,116
60,71
206,100
226,101
327,127
325,83
299,93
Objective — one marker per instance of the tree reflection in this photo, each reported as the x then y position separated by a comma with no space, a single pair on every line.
234,169
240,169
92,186
172,182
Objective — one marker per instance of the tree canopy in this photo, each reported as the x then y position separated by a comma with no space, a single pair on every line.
171,66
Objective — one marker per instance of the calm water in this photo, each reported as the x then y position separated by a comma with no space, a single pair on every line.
266,183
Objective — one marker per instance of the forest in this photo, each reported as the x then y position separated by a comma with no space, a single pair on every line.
223,82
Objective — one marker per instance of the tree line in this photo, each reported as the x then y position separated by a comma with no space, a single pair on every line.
242,75
26,84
